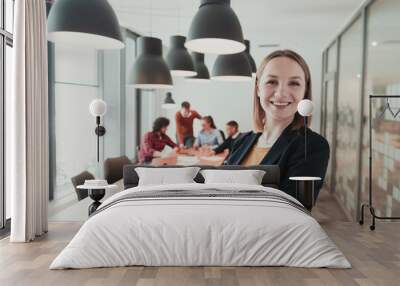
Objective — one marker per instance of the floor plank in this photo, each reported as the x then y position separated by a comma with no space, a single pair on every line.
375,257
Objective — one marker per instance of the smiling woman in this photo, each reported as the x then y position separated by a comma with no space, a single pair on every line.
283,80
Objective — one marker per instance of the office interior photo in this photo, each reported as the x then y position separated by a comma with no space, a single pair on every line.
199,142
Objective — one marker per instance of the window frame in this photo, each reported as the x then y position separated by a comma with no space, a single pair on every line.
6,39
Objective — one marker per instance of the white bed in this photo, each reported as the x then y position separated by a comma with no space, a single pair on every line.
202,231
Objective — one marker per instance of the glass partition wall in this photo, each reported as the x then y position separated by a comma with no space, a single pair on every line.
348,110
383,77
360,61
328,111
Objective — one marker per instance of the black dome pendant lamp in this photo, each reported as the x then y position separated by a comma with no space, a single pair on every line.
234,67
200,68
215,29
250,58
178,59
149,69
169,102
88,23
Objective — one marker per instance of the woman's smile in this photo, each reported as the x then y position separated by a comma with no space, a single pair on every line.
280,104
282,85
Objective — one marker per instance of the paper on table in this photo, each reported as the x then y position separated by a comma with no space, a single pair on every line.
211,158
187,160
95,183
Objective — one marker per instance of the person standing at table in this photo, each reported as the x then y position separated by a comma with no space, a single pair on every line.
232,130
184,125
155,141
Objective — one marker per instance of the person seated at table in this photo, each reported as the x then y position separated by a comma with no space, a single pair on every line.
209,136
184,125
155,141
232,130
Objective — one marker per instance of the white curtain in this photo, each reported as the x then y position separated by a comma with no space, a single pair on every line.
28,122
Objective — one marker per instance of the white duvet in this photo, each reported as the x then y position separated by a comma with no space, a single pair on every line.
199,231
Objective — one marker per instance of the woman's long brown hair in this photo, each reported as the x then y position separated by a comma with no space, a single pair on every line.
259,119
210,121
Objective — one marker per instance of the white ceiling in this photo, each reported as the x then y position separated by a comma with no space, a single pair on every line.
290,23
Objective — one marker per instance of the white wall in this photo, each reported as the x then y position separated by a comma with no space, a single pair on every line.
151,109
313,57
111,93
223,101
76,85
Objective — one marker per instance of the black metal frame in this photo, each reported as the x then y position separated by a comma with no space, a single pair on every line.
51,111
305,193
96,195
6,39
138,94
99,131
369,204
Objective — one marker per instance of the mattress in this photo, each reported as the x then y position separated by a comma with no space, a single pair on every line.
201,225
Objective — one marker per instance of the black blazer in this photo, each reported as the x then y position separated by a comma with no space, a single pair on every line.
227,144
288,153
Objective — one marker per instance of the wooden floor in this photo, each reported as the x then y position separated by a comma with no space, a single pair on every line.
375,257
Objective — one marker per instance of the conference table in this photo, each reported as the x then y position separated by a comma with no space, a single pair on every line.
186,157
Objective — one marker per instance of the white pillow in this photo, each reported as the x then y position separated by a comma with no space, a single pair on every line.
248,177
163,176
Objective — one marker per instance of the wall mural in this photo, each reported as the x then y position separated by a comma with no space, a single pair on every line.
379,74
